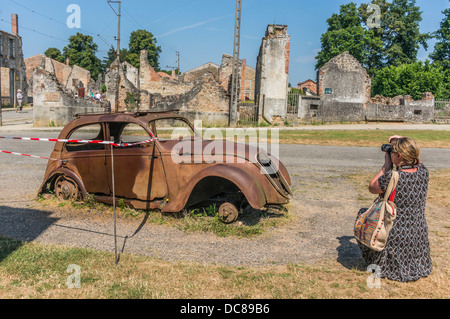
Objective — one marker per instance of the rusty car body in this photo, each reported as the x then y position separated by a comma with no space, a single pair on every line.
146,176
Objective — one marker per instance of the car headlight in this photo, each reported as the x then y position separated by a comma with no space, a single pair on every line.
264,159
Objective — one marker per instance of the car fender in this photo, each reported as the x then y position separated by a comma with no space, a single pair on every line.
67,172
250,187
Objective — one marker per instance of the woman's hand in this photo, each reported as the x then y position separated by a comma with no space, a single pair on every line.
374,186
387,162
394,138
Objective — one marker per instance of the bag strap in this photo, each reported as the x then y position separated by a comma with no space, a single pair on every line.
392,185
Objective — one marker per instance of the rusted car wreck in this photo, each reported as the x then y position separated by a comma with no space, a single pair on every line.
175,171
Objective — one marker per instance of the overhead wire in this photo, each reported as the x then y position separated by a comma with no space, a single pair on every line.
38,32
56,21
128,15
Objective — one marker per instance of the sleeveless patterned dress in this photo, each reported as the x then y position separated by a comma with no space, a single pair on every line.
406,256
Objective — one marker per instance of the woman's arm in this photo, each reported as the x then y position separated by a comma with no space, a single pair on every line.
374,186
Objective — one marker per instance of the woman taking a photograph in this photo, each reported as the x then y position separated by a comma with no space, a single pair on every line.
406,256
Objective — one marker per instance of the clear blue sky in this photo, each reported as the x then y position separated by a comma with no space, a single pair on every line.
201,30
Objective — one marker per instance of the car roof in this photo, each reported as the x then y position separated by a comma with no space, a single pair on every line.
136,117
105,117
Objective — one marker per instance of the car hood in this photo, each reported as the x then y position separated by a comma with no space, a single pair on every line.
215,148
220,151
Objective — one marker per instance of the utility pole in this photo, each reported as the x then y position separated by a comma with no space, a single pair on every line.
118,29
118,14
118,49
235,77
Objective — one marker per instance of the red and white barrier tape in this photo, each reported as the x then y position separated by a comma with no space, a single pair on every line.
79,141
28,155
68,141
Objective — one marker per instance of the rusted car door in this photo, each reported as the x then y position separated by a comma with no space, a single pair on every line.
88,160
138,170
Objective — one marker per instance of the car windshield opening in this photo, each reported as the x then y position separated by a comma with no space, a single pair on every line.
172,129
128,133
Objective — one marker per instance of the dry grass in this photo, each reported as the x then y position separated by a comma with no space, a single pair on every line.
137,277
31,270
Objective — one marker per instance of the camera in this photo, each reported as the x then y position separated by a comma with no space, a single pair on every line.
387,148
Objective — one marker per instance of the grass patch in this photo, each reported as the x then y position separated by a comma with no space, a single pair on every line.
360,138
31,270
372,138
250,222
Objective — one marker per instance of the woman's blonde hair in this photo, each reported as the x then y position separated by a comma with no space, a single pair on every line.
408,148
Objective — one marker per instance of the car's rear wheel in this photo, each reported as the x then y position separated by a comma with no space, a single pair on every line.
228,213
67,189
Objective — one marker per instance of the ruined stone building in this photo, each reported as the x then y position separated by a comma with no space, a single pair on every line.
72,78
344,95
343,79
222,73
54,102
198,72
12,66
201,93
308,87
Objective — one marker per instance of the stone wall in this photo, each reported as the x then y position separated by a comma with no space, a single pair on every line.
248,75
316,109
343,79
344,89
71,77
401,108
201,98
118,85
54,105
198,72
272,72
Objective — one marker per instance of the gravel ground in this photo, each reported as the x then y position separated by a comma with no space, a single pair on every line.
323,210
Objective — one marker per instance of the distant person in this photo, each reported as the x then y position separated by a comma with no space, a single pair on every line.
98,96
406,256
92,95
19,101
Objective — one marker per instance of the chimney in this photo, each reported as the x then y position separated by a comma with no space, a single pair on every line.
15,23
68,62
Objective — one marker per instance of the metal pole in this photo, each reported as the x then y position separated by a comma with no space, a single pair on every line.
235,74
114,201
118,30
116,100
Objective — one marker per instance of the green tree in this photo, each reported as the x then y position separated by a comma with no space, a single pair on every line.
346,33
410,79
396,41
402,34
441,53
139,40
143,40
81,51
111,56
54,54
